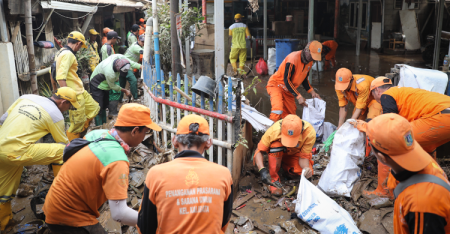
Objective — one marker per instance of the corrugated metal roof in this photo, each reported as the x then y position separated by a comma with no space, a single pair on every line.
123,3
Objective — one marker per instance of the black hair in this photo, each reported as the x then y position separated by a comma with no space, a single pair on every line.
72,41
376,151
128,129
325,49
192,139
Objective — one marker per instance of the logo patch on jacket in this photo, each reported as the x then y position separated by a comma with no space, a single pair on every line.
191,178
360,80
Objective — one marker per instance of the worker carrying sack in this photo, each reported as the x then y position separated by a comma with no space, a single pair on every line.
79,143
321,212
348,151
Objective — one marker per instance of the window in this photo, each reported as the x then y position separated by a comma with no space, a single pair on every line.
412,4
353,18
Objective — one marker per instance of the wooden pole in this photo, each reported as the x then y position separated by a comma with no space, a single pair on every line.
30,47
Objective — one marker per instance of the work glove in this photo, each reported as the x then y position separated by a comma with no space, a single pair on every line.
265,176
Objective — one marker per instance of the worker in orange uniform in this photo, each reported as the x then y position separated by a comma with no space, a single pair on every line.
188,194
329,51
289,143
354,88
293,71
142,26
104,38
73,201
422,201
428,112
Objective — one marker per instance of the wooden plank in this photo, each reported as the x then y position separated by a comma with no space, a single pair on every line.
243,200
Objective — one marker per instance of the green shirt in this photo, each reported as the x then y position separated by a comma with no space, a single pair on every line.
134,52
106,151
106,51
131,38
106,67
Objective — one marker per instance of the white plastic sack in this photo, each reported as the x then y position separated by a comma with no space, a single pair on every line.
321,212
314,114
347,153
328,128
320,63
272,62
428,79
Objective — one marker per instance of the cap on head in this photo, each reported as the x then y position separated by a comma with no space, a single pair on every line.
112,34
238,16
315,48
135,28
141,20
106,30
134,115
79,37
68,94
343,77
185,123
291,131
122,65
142,37
93,32
379,81
392,134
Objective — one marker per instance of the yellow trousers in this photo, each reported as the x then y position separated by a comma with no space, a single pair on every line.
88,110
11,167
240,53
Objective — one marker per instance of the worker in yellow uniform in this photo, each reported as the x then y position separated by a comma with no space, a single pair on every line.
66,75
353,88
93,48
26,121
239,32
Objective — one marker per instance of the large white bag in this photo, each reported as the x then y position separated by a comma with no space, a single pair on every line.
272,62
430,80
321,212
314,114
347,153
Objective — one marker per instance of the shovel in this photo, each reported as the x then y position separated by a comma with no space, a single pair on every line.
251,57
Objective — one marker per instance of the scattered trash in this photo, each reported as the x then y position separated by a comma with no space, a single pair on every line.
259,200
289,227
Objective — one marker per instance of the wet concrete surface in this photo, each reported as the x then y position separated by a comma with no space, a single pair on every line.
368,63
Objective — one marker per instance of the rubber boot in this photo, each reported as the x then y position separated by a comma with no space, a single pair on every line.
56,169
5,214
104,117
234,65
98,120
274,167
382,189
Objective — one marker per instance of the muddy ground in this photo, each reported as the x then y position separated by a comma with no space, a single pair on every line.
260,213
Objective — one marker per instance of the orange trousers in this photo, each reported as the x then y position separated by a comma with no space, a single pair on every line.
289,160
432,132
283,103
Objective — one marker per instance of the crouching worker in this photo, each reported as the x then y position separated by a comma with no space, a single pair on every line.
27,120
104,79
289,143
422,202
96,173
188,194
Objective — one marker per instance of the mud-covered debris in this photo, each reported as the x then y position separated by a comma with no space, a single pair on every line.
262,200
358,188
33,226
108,223
274,229
371,222
388,222
290,228
246,227
135,203
24,190
380,202
137,178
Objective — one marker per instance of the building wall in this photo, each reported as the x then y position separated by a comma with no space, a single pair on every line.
392,18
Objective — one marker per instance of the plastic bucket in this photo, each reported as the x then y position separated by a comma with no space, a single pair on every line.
283,48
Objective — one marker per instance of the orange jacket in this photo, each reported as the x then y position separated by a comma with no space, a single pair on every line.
291,73
333,46
142,29
359,94
412,103
424,207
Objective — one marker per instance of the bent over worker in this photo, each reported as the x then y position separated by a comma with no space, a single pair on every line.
239,32
428,112
353,88
133,54
27,120
72,203
66,75
188,194
293,71
422,201
329,51
289,143
105,78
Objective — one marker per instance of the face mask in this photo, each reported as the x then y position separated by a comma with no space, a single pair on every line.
125,68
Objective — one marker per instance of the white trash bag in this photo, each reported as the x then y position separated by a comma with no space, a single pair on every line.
347,153
314,114
272,62
321,212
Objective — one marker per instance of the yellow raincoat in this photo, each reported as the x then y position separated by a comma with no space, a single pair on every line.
29,119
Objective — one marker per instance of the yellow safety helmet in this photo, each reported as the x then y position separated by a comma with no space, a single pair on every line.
93,32
238,16
79,37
